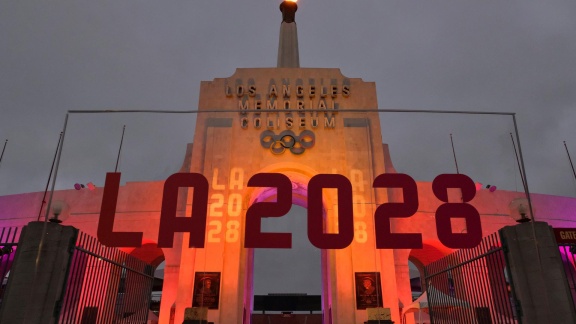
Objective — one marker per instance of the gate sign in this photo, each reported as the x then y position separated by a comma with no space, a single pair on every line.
565,235
255,238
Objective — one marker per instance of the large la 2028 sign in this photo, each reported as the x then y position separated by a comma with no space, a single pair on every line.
255,238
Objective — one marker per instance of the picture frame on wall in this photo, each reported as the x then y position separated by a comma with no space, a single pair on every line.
368,290
206,290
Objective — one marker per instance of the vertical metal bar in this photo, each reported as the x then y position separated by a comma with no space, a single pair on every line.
56,168
526,189
99,285
5,259
468,276
490,297
454,153
449,283
500,297
494,298
120,149
571,266
518,162
125,295
89,279
85,284
143,299
83,271
570,160
79,277
510,277
75,285
4,149
568,263
49,177
108,313
427,284
70,251
102,286
123,275
70,288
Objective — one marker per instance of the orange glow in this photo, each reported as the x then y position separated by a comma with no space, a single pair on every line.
292,0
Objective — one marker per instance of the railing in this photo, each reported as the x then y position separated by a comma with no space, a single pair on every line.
105,285
9,237
567,252
471,286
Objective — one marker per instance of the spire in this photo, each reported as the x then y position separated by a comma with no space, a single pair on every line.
288,47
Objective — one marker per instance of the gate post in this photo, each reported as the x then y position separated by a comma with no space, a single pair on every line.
537,273
39,273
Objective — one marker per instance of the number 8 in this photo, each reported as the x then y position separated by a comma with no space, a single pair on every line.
449,210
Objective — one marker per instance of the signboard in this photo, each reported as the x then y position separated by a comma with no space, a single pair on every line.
368,290
565,235
255,238
206,290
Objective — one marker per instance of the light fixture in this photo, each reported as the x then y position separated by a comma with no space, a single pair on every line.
478,186
57,207
519,210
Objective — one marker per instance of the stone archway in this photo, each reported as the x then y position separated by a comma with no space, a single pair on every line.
299,175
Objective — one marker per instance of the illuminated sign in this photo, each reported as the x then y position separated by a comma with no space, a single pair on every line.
255,238
286,94
565,235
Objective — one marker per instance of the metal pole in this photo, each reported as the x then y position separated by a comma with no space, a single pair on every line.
570,159
56,169
120,148
454,153
6,142
523,171
518,162
49,176
157,111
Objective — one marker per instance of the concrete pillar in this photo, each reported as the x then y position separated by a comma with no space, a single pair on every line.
38,274
537,272
288,55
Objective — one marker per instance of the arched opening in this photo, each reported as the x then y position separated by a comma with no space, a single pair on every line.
154,256
417,311
288,271
417,285
291,273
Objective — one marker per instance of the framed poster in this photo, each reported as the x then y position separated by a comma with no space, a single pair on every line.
368,290
206,290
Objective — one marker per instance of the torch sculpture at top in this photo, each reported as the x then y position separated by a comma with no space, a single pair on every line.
288,48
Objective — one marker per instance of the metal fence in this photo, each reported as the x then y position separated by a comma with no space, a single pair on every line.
472,286
105,285
9,237
567,252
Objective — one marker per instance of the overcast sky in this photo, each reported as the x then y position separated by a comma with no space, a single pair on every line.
503,56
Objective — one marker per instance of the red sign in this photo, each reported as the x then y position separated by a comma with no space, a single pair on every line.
565,235
255,238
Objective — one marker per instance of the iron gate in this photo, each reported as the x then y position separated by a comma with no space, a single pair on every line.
567,252
8,242
472,286
105,285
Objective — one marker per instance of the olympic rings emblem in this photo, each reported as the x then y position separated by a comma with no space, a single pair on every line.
297,144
